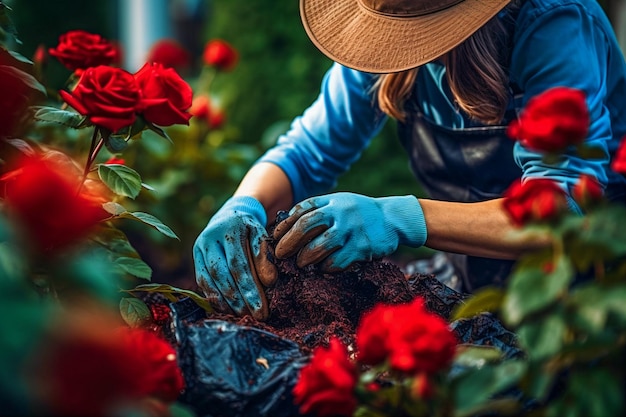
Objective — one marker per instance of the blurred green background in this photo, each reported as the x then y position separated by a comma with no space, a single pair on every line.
277,77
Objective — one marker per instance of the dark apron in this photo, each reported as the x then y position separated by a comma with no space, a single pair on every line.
463,165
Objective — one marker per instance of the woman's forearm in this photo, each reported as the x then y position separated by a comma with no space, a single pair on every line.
267,183
477,229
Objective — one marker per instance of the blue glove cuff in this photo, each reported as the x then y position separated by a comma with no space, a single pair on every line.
407,217
248,205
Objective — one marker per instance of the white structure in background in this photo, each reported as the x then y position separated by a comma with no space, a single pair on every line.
142,22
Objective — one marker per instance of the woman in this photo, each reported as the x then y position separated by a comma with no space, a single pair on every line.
453,73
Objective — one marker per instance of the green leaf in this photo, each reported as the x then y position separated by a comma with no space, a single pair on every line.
150,220
543,338
488,299
476,356
121,179
172,292
114,208
135,267
53,115
134,311
159,132
24,77
179,410
476,386
532,288
114,240
595,303
586,151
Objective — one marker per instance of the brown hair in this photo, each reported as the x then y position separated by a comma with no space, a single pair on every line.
475,70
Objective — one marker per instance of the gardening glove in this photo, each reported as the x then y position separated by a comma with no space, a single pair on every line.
336,230
230,258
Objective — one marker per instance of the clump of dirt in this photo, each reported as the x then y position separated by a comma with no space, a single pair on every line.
308,306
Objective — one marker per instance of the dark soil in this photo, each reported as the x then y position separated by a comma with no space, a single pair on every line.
308,306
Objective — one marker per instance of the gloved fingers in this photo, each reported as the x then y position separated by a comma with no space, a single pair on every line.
205,274
303,231
285,226
340,260
319,248
265,269
249,288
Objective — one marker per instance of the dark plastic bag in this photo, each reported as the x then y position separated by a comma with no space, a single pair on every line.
233,370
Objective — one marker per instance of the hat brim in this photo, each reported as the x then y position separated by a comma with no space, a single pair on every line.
358,38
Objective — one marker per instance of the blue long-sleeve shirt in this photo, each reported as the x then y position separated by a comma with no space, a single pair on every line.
555,43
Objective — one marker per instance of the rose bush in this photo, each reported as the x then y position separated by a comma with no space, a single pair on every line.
564,304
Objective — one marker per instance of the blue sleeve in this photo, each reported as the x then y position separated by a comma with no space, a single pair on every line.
330,135
562,44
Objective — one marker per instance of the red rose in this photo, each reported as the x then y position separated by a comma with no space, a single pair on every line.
410,337
552,121
115,161
96,371
160,375
326,385
219,54
618,164
203,109
373,333
166,96
587,190
419,341
78,49
108,96
170,54
44,199
537,199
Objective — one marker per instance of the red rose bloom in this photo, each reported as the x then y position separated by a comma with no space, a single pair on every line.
618,164
410,337
95,371
170,54
537,199
587,190
160,375
115,161
552,121
419,341
220,54
108,96
166,96
203,109
373,333
44,200
326,385
78,49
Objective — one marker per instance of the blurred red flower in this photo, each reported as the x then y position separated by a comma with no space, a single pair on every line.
552,121
108,96
220,54
78,49
99,371
618,164
115,161
414,340
46,203
326,385
166,96
537,199
170,54
587,190
202,108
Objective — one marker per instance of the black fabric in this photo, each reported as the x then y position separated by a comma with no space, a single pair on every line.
232,370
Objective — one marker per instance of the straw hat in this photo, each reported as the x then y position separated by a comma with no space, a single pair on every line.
381,36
